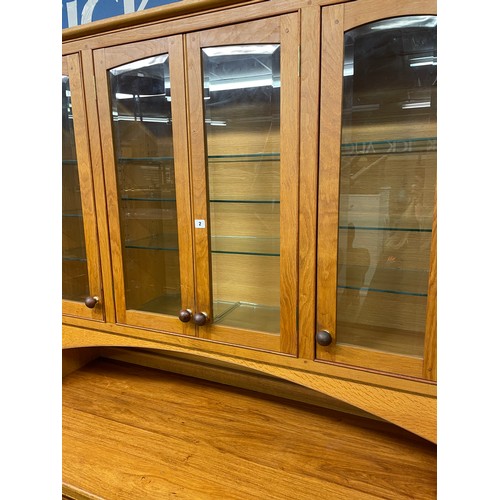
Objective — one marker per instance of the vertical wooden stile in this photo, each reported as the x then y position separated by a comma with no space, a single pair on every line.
329,165
74,70
199,177
99,186
289,177
310,43
430,347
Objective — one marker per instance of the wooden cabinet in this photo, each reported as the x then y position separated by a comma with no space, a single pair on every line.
258,188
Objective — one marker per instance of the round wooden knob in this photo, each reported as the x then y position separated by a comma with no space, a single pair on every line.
323,338
91,302
200,318
185,315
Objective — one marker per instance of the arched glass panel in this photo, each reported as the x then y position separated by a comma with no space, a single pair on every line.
387,183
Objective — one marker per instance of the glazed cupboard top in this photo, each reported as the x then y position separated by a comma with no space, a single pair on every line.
260,176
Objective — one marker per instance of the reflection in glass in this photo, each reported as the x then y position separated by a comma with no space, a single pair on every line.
242,125
142,130
75,283
387,183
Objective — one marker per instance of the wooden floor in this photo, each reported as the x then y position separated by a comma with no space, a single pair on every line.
131,432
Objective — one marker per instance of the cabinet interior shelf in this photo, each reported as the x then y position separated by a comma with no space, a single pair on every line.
72,213
247,316
251,157
148,198
390,146
245,158
156,199
167,242
245,245
233,314
76,254
379,290
383,228
386,146
219,244
144,159
272,202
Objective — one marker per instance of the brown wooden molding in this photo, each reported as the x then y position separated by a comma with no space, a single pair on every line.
224,373
182,7
413,412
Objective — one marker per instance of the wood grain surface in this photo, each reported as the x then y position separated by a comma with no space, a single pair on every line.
131,432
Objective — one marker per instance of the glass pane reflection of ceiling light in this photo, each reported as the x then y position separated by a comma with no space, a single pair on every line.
423,61
141,64
414,105
406,22
120,95
242,83
238,50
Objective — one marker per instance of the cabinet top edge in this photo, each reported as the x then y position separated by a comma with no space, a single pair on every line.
162,12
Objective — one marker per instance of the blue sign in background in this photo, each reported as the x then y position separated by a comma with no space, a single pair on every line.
76,12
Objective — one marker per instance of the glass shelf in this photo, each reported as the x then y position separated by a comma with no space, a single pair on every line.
273,202
365,290
73,213
228,158
219,244
155,242
245,245
74,254
390,146
247,316
386,146
145,159
152,196
404,229
253,158
144,196
395,280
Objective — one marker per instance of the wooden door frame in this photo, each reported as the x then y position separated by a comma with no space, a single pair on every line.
284,30
336,21
108,58
72,67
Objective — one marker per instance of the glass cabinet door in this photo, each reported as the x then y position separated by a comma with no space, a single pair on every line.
244,90
142,102
81,288
375,253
